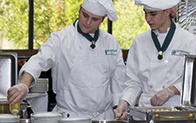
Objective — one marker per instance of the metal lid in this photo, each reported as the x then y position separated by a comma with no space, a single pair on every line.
46,114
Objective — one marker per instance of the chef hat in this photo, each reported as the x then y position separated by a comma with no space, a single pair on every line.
101,7
157,4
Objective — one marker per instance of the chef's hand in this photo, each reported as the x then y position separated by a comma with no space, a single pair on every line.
121,110
161,97
17,93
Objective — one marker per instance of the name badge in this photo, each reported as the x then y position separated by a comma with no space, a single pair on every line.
179,52
111,52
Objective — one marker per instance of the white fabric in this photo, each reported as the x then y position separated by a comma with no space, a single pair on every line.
157,4
38,101
101,7
88,82
146,74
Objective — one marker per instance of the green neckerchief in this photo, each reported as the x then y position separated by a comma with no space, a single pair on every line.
166,41
89,37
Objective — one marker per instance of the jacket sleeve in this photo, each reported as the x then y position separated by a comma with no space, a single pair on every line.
117,79
132,82
43,60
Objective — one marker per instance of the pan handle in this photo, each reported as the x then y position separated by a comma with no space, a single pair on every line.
191,116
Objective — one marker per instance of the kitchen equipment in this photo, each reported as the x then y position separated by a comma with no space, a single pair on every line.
8,73
163,114
40,87
9,118
46,117
186,113
108,121
189,82
75,120
186,15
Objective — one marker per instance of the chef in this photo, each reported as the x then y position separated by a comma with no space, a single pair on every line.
87,65
155,60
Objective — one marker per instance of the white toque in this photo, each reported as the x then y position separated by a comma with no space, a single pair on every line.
157,4
101,7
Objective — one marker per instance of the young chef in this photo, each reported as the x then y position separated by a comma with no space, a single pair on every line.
87,65
155,60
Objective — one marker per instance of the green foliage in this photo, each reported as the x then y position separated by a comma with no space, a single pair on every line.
52,15
49,16
14,21
130,23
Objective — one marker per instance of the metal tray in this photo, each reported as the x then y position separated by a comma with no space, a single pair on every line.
162,113
8,73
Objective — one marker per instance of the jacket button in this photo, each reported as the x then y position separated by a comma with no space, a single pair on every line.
151,86
154,60
166,61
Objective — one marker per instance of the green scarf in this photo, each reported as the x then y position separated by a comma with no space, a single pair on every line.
89,37
166,41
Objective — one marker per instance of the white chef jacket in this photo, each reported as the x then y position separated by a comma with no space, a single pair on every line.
146,74
88,82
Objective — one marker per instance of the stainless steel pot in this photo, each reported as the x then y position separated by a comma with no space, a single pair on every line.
25,120
75,120
108,121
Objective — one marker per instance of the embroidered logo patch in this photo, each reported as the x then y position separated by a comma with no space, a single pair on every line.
111,52
179,52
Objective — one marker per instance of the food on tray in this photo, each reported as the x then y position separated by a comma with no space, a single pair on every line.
163,110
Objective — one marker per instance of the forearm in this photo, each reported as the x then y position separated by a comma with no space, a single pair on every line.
26,79
163,95
174,89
